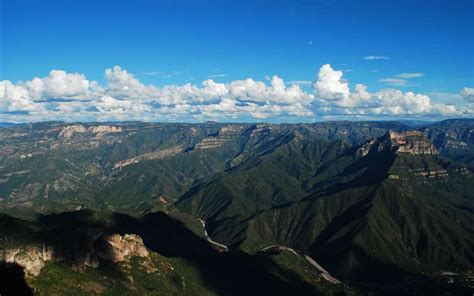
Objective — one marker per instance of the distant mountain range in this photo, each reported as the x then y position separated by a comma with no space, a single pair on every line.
331,207
6,124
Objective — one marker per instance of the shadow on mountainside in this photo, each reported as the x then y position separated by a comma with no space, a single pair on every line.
375,277
227,273
335,248
238,273
366,171
67,237
72,234
13,280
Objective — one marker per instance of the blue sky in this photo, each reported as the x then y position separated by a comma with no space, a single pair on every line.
421,46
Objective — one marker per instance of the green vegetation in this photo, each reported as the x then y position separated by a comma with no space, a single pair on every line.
376,217
168,277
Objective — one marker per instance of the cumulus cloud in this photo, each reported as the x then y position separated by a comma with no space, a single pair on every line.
59,85
467,94
71,96
373,57
395,102
14,98
123,85
333,96
330,85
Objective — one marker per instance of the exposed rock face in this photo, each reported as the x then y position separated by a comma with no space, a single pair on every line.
364,149
211,142
454,144
32,257
226,134
375,145
158,154
117,248
413,142
105,129
260,129
68,131
439,173
230,129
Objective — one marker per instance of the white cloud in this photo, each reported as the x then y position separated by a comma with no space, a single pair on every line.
467,94
276,92
395,102
334,97
330,85
372,58
410,75
14,98
213,89
394,81
71,96
59,85
121,84
445,109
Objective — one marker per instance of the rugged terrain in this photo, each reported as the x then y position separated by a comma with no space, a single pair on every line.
332,207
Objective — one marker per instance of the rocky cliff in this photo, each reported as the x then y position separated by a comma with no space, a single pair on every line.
117,248
69,130
31,257
109,247
226,134
413,142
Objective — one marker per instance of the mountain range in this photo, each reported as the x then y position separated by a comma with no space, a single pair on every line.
318,208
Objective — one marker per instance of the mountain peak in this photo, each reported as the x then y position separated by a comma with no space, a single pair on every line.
413,142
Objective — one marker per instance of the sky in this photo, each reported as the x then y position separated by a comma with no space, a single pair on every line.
275,61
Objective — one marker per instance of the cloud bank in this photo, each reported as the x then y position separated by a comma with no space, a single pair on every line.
72,97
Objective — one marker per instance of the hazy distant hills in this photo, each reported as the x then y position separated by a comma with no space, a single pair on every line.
118,165
6,124
379,205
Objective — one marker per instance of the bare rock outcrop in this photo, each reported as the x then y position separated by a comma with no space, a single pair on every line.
157,154
225,135
117,248
70,130
32,257
413,142
105,129
364,149
109,247
99,130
